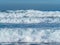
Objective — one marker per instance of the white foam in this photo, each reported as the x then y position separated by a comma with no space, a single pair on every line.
29,35
29,16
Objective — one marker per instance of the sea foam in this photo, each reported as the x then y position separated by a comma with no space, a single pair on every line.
29,34
29,16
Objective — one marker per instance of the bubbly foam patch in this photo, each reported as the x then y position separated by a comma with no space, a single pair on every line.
29,35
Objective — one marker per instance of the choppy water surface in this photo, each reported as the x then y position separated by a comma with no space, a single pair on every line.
29,27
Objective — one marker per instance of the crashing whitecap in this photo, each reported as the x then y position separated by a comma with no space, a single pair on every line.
29,16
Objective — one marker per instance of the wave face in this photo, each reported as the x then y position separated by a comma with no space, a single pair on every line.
42,19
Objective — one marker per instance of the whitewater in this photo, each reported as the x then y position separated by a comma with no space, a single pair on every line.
29,34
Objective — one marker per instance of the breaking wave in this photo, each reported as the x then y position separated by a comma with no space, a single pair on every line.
29,16
29,34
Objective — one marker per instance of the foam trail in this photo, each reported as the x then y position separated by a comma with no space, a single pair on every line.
29,16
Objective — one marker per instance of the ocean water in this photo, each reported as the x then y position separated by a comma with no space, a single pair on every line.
42,7
30,25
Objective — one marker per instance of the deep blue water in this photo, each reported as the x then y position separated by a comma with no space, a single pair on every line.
36,25
43,7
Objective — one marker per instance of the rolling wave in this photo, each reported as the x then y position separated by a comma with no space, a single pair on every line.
29,16
41,26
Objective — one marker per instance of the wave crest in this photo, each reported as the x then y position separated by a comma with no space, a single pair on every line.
29,16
